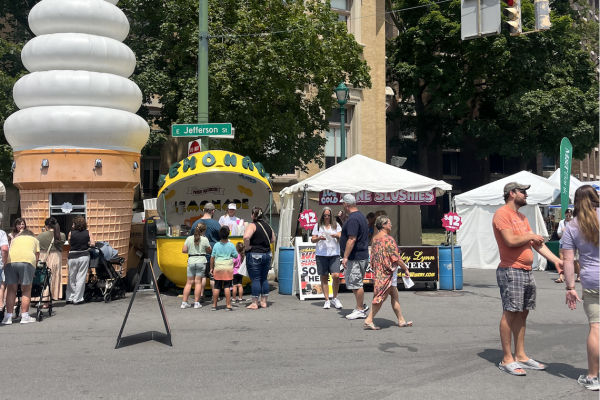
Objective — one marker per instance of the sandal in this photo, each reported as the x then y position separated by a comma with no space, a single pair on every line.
559,280
252,307
371,327
511,368
213,309
229,309
405,324
578,280
531,364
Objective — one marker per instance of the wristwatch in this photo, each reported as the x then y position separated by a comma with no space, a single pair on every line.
570,288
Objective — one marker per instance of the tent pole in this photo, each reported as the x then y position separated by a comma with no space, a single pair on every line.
452,244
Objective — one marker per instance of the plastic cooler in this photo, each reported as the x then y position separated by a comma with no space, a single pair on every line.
446,267
285,271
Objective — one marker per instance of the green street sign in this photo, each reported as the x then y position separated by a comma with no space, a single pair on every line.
219,131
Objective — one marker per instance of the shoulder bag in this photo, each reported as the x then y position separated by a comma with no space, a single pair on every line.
41,264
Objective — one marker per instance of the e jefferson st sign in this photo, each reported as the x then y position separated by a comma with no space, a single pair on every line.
218,131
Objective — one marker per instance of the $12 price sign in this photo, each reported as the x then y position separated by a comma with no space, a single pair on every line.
451,222
308,219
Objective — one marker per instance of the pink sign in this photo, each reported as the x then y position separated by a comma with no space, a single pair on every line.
451,222
308,219
366,198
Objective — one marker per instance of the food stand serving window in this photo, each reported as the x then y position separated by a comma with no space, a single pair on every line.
65,207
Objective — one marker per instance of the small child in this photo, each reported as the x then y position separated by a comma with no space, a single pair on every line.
221,266
237,278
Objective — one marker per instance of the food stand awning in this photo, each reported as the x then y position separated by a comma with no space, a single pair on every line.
353,175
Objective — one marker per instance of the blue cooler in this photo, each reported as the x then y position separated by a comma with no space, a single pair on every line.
446,267
285,271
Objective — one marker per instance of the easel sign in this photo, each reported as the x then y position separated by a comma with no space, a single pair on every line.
143,337
307,282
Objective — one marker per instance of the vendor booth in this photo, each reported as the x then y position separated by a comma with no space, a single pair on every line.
217,177
477,207
376,186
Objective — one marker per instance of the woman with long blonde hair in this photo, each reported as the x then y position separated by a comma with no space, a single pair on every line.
582,234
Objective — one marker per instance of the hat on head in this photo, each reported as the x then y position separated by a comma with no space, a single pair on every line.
232,206
209,207
509,187
349,199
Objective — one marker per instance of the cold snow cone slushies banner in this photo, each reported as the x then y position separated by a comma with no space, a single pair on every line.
366,198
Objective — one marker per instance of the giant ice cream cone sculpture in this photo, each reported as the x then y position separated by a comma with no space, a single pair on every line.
76,131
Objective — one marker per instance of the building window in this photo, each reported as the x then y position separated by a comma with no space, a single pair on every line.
343,8
150,177
65,220
496,164
450,163
548,163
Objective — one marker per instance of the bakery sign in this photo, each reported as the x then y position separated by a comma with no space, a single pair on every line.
366,198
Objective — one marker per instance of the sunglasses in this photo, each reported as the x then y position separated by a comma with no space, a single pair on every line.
521,191
327,215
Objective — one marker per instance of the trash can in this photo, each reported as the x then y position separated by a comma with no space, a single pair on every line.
285,271
445,254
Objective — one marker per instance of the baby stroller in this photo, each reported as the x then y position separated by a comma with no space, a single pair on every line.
106,282
41,281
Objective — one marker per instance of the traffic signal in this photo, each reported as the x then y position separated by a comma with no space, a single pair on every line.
513,14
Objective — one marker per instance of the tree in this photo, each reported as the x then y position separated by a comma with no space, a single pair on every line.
516,96
273,66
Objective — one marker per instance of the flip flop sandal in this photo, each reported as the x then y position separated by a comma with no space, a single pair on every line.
406,324
213,309
578,280
511,368
371,327
559,280
531,364
229,309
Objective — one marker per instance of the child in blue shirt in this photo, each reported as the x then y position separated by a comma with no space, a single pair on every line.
221,266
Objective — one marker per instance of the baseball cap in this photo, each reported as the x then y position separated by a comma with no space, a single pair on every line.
349,199
209,207
509,187
232,206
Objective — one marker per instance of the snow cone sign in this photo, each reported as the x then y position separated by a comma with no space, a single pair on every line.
451,222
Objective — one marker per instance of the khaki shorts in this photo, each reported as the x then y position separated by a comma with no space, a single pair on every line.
590,305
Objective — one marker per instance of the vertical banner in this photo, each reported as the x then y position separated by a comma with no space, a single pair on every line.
566,154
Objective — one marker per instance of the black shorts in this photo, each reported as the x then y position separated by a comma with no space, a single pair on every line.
328,265
237,279
207,273
223,284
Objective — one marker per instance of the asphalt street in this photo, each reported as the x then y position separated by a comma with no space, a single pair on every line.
296,350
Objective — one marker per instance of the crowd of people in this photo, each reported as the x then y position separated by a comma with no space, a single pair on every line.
212,257
21,254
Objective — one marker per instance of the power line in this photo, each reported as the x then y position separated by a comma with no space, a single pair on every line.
351,19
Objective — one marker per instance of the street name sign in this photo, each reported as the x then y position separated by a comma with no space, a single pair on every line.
218,131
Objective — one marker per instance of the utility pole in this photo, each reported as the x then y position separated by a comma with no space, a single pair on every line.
203,68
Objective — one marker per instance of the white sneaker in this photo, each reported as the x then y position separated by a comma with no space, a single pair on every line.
7,320
185,305
356,314
27,319
589,383
327,305
197,305
336,303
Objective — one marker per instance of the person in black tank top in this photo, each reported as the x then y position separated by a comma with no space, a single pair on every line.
78,260
257,242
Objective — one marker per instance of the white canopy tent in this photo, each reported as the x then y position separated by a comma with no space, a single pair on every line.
574,185
353,175
476,209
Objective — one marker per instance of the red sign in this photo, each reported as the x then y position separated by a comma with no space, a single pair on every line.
451,222
308,219
194,147
364,197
